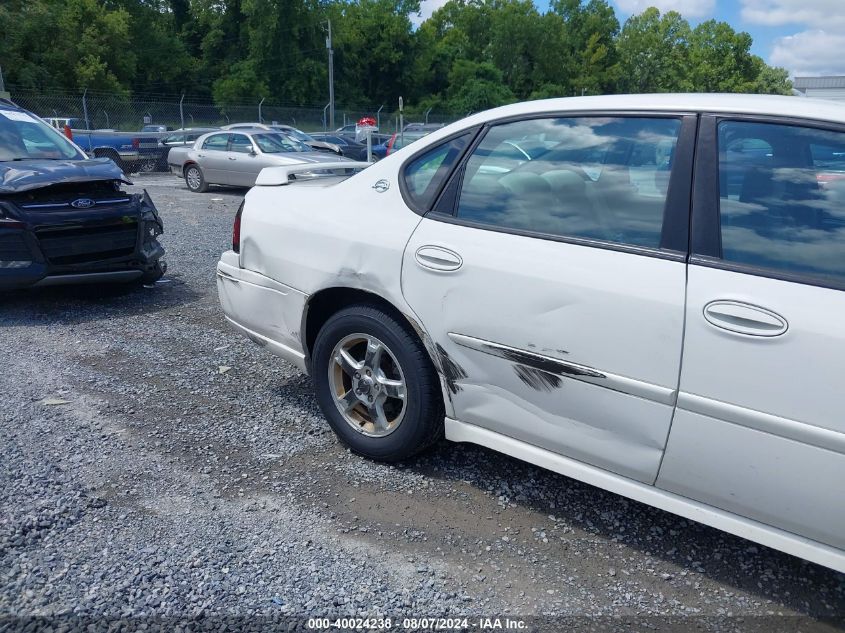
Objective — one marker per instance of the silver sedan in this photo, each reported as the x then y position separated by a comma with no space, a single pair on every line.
236,158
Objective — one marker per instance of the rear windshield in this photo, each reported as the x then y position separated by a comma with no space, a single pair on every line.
23,137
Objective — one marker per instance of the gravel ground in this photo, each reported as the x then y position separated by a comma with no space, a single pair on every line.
141,478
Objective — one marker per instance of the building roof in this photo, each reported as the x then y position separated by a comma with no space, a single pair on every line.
832,81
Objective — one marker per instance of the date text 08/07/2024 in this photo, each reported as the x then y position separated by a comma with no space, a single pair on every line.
418,624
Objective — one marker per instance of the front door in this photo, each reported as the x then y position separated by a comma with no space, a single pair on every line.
555,289
243,161
759,428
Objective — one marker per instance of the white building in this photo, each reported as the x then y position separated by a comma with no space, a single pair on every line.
821,87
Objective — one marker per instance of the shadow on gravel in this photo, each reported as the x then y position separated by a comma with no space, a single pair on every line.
80,304
683,546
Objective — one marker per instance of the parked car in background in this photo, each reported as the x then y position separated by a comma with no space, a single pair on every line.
182,136
350,149
299,135
156,128
130,151
64,217
60,122
631,305
422,127
358,131
398,141
237,157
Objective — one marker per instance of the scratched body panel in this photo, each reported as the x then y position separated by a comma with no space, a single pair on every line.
537,302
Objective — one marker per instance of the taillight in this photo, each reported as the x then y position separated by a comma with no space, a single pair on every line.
136,143
390,144
236,230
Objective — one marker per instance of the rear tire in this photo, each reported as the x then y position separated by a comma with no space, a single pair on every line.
374,423
195,179
146,166
115,158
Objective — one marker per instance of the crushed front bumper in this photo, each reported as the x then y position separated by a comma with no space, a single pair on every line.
111,242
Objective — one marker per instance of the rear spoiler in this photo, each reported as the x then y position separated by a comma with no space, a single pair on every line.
276,176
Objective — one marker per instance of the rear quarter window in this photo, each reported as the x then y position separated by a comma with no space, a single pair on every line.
424,176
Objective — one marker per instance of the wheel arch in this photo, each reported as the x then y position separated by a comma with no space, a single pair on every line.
187,164
324,303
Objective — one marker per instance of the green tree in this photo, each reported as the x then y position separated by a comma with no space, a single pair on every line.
721,59
654,53
476,86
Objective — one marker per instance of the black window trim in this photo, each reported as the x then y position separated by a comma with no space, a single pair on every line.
403,186
675,235
706,237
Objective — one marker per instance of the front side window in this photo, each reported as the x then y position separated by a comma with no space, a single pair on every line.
782,198
217,142
240,144
425,174
603,178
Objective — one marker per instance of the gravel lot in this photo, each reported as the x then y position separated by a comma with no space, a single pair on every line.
160,483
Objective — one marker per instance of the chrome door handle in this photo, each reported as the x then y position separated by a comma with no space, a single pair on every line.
200,155
744,318
232,158
438,258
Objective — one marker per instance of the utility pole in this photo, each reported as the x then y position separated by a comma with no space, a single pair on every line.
331,76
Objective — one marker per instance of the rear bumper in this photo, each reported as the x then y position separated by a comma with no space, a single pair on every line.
265,311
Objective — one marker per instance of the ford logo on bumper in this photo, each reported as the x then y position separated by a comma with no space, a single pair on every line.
82,203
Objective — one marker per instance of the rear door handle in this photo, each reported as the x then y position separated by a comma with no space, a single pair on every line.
744,318
438,258
232,158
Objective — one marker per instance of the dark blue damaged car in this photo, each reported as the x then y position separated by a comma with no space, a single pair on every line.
65,218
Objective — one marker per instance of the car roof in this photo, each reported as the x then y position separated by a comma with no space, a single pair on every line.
773,105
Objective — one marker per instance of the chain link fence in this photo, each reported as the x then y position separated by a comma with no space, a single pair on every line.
114,112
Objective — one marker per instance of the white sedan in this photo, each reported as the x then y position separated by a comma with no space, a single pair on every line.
649,299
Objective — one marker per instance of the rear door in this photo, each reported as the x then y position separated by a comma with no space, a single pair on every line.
213,157
759,428
553,281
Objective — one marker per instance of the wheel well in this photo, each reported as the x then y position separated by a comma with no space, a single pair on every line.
105,152
327,302
186,165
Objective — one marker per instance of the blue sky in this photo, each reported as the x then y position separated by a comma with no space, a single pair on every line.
807,37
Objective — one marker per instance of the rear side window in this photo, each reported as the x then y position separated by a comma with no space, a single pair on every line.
217,142
585,177
782,198
425,175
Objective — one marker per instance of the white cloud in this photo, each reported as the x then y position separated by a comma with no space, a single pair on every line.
826,14
687,8
814,52
427,7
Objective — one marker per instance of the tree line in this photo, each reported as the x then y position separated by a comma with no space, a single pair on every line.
469,55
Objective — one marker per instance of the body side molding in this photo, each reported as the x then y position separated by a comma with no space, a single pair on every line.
567,369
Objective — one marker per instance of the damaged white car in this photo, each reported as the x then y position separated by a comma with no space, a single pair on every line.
640,292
